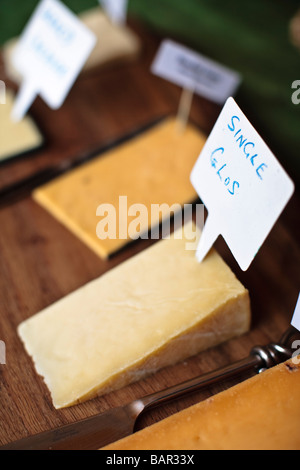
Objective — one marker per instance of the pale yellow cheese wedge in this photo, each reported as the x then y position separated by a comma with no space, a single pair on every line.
153,168
156,309
16,137
115,43
261,413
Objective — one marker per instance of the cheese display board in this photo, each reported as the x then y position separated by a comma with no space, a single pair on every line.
53,282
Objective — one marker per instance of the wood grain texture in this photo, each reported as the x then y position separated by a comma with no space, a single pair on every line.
41,261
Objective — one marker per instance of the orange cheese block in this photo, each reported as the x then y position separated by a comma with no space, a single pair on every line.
150,170
261,413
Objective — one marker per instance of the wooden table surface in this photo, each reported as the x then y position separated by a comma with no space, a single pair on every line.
41,261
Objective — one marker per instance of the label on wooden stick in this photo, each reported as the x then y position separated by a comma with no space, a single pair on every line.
116,10
50,54
193,71
242,185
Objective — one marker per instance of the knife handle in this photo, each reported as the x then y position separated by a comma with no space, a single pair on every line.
259,359
80,435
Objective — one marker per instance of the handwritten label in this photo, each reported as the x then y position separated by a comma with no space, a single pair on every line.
296,317
242,185
116,10
50,54
191,70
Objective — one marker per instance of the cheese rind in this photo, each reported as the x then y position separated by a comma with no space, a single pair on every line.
151,170
157,308
261,413
16,137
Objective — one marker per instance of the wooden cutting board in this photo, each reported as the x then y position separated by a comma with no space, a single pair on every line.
41,261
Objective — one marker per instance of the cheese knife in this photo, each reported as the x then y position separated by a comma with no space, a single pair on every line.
100,430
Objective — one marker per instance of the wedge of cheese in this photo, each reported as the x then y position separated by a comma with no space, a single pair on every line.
17,138
156,309
262,413
151,170
115,44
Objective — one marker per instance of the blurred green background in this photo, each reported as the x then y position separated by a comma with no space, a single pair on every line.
251,37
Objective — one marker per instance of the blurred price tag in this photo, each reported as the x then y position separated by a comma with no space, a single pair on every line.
242,185
193,71
116,10
50,54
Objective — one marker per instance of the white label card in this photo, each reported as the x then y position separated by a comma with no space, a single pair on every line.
191,70
50,54
242,185
116,10
296,317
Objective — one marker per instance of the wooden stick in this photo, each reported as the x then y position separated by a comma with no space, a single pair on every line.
184,108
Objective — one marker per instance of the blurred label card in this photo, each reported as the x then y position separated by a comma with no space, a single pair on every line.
193,71
242,185
296,316
50,54
116,10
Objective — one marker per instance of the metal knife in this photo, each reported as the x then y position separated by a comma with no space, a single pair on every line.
100,430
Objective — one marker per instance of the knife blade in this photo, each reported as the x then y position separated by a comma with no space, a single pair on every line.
98,431
88,434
